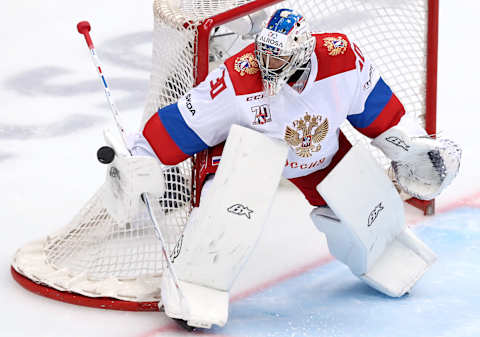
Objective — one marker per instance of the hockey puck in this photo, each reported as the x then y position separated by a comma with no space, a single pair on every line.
105,154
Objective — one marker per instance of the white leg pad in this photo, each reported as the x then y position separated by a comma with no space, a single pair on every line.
202,306
401,265
366,229
218,240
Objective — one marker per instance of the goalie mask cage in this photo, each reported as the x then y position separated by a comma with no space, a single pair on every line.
97,261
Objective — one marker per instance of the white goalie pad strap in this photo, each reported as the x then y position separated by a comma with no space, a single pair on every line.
226,227
128,177
366,218
423,166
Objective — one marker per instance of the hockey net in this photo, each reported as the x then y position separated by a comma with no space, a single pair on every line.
96,256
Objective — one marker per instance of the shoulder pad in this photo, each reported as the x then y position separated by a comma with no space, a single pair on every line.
244,71
335,54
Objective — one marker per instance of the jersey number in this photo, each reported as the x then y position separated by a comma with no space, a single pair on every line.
360,55
218,86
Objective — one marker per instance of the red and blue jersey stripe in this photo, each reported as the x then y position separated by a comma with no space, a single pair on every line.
170,136
382,111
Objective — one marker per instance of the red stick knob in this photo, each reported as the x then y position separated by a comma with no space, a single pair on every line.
83,27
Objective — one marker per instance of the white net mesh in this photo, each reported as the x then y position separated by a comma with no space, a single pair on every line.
96,256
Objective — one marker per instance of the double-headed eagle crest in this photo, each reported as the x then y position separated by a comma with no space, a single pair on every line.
246,64
312,133
335,46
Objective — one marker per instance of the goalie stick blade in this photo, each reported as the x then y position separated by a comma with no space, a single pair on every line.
183,324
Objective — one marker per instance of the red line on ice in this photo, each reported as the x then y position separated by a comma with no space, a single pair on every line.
293,273
170,327
472,200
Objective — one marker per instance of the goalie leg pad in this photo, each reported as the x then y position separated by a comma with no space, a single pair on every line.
200,306
220,237
408,257
367,232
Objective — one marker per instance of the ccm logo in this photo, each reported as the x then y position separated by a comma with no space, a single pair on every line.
255,98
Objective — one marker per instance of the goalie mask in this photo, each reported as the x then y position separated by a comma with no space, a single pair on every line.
282,47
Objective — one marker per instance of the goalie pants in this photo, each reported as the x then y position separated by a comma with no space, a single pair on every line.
206,163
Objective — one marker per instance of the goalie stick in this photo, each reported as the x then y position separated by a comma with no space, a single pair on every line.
105,154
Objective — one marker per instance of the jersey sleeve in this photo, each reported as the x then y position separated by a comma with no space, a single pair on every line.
200,119
375,107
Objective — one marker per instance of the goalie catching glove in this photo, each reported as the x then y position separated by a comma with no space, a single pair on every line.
423,166
128,177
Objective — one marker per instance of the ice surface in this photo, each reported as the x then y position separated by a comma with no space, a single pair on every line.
52,115
330,301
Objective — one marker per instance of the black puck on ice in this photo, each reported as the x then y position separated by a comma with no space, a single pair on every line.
105,154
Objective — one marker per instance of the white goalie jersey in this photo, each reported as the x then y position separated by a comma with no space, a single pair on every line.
342,84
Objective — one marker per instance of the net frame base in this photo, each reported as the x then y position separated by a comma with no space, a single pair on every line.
108,303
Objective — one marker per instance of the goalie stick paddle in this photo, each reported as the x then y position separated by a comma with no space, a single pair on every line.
84,28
